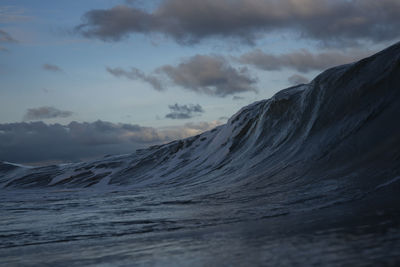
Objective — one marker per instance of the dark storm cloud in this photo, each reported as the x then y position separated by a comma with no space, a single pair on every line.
190,21
42,113
211,75
51,67
136,74
302,60
37,142
179,112
296,79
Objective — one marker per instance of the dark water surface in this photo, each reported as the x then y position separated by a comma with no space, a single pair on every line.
125,228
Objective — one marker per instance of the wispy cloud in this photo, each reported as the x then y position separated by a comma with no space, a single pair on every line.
237,98
302,60
52,67
11,13
181,112
42,113
5,37
136,74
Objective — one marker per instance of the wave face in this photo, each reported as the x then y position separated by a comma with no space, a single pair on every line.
315,170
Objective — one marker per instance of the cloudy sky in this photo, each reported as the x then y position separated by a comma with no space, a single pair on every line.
81,79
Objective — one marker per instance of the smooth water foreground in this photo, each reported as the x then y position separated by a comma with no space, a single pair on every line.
164,228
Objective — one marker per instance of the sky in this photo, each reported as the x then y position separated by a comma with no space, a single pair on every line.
83,79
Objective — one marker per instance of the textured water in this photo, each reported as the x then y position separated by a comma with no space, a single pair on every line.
126,228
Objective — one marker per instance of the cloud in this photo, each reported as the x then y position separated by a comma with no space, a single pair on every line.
136,74
131,2
51,67
237,98
179,112
296,79
337,22
302,60
102,133
6,37
210,75
9,14
203,74
37,142
42,113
